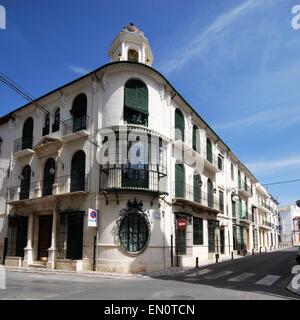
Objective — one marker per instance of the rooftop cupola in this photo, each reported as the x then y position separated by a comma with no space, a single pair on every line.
131,45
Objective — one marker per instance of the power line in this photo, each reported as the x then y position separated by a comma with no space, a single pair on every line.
280,182
24,94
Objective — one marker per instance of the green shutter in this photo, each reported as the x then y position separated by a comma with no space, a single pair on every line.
179,181
136,96
209,155
179,125
234,231
197,188
241,209
196,139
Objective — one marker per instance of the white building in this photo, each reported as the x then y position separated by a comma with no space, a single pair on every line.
122,140
290,224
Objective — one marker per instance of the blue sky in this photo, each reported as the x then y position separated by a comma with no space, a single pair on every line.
237,62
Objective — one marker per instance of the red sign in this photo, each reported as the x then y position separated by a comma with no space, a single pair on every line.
181,223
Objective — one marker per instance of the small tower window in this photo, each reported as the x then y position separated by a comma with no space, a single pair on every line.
133,55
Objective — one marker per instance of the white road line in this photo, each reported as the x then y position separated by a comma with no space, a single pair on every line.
268,280
199,273
242,277
218,275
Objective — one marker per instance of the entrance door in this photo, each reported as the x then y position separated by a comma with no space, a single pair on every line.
45,230
75,236
222,241
181,242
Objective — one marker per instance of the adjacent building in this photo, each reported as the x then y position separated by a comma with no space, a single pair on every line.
123,141
290,224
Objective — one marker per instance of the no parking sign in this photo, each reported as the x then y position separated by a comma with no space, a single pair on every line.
92,218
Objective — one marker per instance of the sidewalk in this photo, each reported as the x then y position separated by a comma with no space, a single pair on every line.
174,271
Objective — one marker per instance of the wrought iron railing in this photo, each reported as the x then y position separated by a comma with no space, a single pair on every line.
62,185
22,144
245,215
195,194
215,159
75,124
246,187
123,177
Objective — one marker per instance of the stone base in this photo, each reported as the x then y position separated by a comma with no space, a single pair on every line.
14,261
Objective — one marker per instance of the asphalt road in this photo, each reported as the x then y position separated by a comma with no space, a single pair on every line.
263,276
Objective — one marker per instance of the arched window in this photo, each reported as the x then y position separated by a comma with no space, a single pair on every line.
179,125
79,112
210,194
1,141
197,185
209,152
136,102
196,139
46,128
25,178
27,136
49,177
133,233
133,55
78,172
56,124
179,181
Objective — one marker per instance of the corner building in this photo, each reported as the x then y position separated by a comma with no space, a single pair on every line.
185,195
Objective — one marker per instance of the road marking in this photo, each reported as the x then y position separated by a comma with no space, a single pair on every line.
218,275
242,277
268,280
199,273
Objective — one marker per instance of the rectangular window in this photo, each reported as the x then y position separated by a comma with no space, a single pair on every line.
221,201
17,236
233,205
70,236
232,172
198,231
220,162
211,228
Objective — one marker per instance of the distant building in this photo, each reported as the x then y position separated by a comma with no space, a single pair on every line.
290,224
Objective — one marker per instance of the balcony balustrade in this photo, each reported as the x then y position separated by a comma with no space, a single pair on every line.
196,195
62,185
132,178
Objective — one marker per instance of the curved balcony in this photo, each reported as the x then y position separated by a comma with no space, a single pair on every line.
122,178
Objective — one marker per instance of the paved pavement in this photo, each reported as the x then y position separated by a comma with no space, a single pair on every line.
263,276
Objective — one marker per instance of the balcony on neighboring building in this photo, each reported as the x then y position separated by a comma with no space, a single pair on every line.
130,178
62,186
202,157
264,207
245,189
264,224
75,128
23,147
246,217
194,196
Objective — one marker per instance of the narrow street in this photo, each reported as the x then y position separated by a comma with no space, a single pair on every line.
263,276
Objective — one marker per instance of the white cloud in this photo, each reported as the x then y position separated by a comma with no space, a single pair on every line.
78,70
274,119
203,40
267,167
